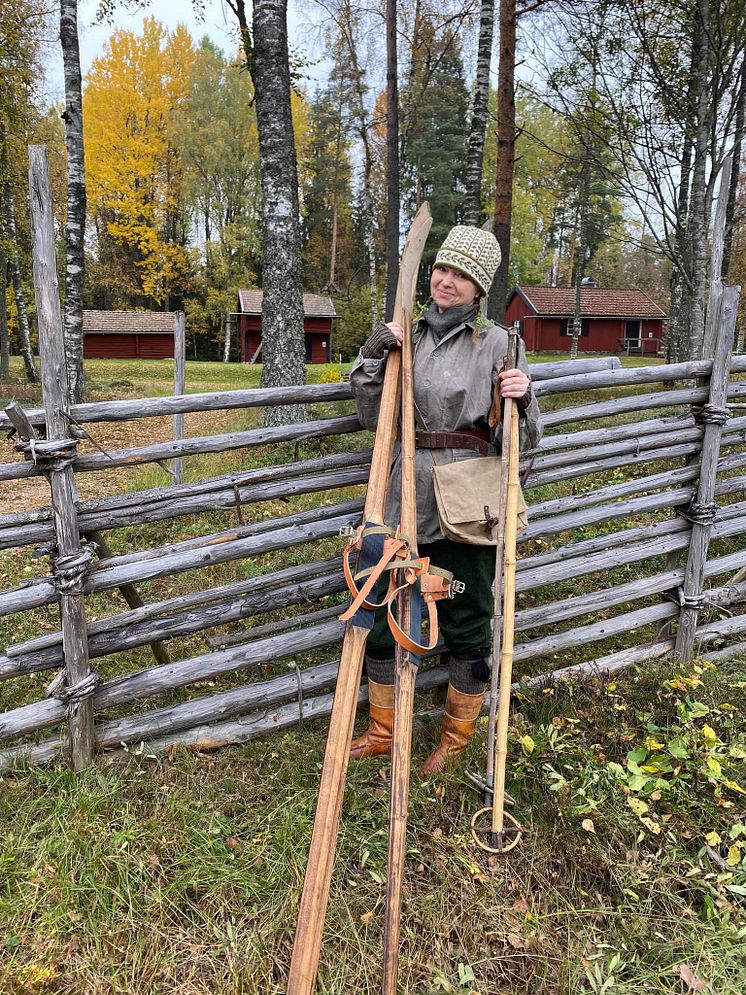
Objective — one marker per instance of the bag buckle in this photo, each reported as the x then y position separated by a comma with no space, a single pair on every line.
347,532
457,587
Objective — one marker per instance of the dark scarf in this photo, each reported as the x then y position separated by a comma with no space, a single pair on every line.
441,322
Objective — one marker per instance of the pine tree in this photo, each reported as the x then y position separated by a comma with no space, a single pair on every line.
436,141
328,237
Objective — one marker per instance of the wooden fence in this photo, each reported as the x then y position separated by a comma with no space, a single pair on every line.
641,493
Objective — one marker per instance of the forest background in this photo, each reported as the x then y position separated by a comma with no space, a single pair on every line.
623,115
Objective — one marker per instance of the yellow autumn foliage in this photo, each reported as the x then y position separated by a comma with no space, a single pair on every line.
133,172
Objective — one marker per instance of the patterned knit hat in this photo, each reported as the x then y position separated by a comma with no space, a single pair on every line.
473,252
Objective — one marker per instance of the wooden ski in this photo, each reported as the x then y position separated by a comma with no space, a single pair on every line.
314,900
405,676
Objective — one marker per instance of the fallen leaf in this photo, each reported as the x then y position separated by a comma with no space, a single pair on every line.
587,824
72,946
638,806
516,941
366,917
695,983
527,744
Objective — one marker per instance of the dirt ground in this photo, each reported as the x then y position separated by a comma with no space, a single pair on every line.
33,492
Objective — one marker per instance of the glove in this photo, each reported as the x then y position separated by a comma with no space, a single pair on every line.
523,402
379,342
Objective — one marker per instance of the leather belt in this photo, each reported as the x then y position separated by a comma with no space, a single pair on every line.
465,439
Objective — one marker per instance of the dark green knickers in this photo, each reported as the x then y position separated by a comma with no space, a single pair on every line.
465,620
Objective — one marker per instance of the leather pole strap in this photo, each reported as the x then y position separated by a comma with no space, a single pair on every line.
433,587
391,546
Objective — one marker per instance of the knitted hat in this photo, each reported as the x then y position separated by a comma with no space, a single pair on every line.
473,252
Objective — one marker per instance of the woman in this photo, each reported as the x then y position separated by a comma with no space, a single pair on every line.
458,358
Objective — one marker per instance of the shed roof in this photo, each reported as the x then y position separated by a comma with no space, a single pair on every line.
595,302
314,305
129,322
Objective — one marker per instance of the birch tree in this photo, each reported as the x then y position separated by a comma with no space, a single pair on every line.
265,47
76,200
670,86
505,156
735,172
472,206
509,12
393,197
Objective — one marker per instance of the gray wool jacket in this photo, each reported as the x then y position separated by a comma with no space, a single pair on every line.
453,385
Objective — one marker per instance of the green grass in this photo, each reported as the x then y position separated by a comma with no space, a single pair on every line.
182,874
124,378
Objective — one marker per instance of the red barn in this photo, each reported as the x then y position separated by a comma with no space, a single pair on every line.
625,321
318,319
128,334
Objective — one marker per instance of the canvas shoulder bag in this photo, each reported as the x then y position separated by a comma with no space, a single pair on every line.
462,492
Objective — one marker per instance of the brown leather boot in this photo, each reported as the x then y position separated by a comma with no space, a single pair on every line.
457,731
376,740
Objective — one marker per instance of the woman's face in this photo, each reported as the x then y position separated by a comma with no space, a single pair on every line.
449,288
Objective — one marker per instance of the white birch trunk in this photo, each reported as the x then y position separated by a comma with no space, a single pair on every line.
283,344
478,129
4,340
76,200
699,208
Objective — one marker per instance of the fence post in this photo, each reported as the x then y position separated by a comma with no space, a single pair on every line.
179,385
716,260
702,510
56,454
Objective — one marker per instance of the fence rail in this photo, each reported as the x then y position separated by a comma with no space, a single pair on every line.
648,507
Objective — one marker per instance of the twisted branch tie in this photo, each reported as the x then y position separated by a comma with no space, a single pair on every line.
49,455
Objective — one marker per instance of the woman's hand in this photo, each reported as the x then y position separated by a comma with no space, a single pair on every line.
386,337
514,383
397,331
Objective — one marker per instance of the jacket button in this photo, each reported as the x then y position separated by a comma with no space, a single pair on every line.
425,383
436,353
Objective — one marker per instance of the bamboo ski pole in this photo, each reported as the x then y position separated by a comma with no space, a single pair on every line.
497,621
506,656
405,676
315,897
503,626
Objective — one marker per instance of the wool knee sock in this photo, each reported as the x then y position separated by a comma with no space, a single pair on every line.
380,671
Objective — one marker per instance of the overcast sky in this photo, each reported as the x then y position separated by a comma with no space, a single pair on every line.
217,23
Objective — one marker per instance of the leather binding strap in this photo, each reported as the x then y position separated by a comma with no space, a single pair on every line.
464,439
